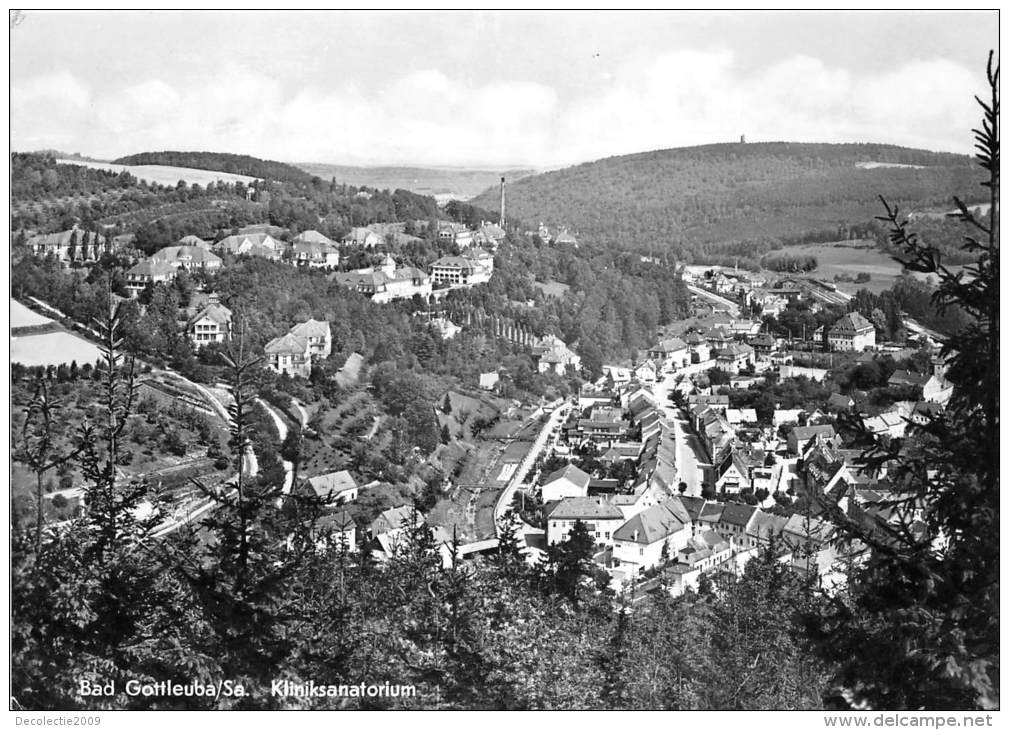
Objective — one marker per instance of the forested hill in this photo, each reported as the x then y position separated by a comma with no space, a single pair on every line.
223,162
733,199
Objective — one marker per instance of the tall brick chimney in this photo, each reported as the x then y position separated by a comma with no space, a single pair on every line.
501,220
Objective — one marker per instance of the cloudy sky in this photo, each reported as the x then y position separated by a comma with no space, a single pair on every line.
490,88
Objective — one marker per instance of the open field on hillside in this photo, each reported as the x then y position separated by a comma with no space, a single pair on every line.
442,182
850,258
163,174
21,316
53,348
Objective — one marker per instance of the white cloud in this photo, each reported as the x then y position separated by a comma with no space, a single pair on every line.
431,116
62,87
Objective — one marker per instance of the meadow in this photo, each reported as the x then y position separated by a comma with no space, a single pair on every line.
850,258
22,316
53,348
164,174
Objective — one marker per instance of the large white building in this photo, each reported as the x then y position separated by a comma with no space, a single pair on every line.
600,517
386,282
852,332
188,257
475,266
73,245
638,543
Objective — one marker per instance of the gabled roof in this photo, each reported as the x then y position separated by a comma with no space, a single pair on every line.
394,518
766,525
454,262
572,473
693,505
654,524
812,528
151,268
584,508
737,514
195,254
804,433
258,241
671,345
62,238
737,459
311,328
851,323
192,240
361,235
712,511
217,313
338,521
735,350
313,237
333,484
288,344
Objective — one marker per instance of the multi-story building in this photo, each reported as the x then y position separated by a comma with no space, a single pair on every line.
672,353
553,355
640,542
188,257
293,353
457,271
72,245
262,245
852,332
386,282
210,324
600,517
148,272
363,237
313,250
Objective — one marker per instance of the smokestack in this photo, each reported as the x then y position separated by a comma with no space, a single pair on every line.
501,221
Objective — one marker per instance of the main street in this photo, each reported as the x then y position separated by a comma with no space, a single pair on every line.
691,464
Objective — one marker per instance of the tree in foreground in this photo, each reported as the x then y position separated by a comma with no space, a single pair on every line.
919,626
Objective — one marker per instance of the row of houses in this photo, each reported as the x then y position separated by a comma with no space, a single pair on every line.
309,249
689,536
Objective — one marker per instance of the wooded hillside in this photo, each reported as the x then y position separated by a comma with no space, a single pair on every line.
733,199
223,162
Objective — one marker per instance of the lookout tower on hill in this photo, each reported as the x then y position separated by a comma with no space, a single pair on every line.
742,139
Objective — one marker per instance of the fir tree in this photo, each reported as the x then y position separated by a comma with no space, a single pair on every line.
919,625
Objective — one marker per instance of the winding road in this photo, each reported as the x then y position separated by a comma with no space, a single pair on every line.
278,421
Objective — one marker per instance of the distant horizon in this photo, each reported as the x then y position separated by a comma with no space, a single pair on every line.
479,167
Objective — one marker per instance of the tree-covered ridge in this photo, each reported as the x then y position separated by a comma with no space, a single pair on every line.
700,202
222,162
